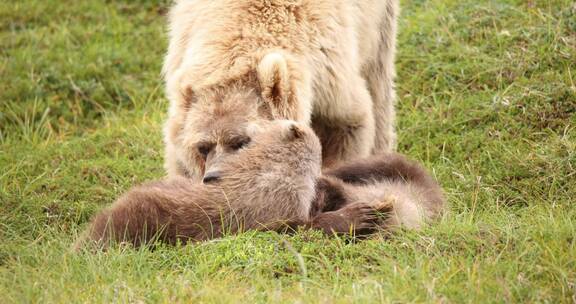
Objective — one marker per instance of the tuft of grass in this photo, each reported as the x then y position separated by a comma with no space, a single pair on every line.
487,100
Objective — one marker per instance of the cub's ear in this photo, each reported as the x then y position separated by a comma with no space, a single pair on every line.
274,79
296,131
291,130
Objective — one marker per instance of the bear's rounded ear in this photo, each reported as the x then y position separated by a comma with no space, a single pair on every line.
296,131
272,72
188,96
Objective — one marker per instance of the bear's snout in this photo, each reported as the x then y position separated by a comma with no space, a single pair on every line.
211,177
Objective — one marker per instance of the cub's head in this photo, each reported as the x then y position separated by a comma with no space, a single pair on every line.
280,152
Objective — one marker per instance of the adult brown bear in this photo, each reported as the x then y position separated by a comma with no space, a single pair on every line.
326,63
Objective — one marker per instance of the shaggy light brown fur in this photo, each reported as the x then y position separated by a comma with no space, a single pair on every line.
327,63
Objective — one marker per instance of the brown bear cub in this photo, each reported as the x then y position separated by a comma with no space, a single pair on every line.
270,180
274,183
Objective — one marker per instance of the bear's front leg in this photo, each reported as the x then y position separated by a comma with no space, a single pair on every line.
344,121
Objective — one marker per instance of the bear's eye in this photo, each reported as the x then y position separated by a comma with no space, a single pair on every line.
239,143
204,149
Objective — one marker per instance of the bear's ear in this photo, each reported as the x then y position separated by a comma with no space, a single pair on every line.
290,130
296,131
188,96
274,79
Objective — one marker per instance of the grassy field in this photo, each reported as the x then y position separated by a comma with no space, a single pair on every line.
487,100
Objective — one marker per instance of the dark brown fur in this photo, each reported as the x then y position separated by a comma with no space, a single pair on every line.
366,181
336,207
388,167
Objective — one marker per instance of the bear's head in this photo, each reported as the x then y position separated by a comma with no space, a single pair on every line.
209,122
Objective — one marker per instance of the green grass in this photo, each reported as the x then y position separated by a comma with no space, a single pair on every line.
487,100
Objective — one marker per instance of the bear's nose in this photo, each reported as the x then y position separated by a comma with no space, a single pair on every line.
211,177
